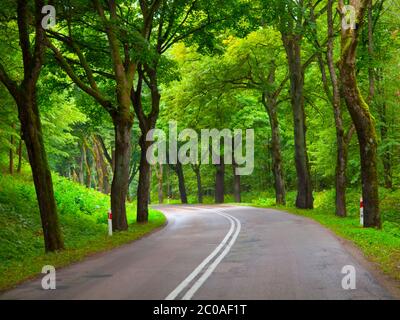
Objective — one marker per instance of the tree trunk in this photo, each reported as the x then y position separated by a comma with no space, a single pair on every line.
387,155
25,97
219,182
160,176
11,152
342,143
32,135
304,186
236,185
384,128
143,191
181,183
196,169
97,154
363,121
269,101
19,156
81,165
86,164
146,123
101,166
236,178
119,187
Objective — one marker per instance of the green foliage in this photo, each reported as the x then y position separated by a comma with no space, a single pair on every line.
83,217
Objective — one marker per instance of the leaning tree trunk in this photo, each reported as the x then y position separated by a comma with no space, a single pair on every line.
219,182
119,187
32,134
304,186
269,102
362,118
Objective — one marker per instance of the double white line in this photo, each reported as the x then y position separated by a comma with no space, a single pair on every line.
211,262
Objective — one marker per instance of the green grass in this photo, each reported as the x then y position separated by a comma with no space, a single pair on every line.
83,218
379,246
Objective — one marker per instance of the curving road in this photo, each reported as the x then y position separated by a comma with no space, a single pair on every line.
218,253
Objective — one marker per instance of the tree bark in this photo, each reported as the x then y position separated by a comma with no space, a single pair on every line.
236,185
11,152
33,137
270,104
384,128
181,183
119,187
86,164
146,124
81,165
341,141
143,191
104,168
25,97
19,167
220,182
363,121
196,169
98,159
160,176
292,44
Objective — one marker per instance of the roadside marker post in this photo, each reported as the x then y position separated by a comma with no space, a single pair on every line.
110,231
362,212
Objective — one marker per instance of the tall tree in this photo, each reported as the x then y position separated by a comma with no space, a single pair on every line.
342,138
289,17
360,113
120,69
166,23
25,96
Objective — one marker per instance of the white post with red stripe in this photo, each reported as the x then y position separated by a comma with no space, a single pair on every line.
110,230
362,211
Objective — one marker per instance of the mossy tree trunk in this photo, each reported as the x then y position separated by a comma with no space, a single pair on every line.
360,113
25,97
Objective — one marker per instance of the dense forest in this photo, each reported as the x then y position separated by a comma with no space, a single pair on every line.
83,83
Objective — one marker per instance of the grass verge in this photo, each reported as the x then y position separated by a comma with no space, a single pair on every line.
83,219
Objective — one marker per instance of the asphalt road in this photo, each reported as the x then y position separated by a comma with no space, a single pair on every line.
218,253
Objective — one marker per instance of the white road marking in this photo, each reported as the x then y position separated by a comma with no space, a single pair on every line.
189,294
197,285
